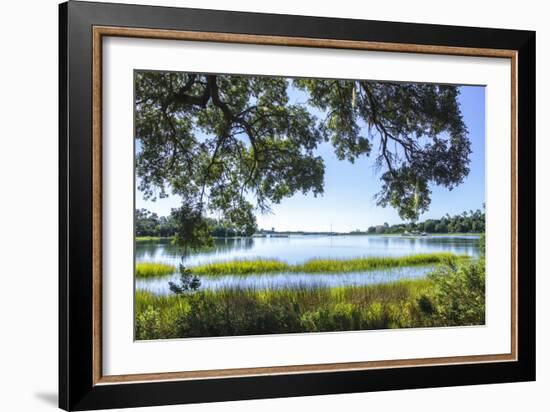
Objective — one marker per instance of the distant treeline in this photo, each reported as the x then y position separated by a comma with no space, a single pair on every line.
466,222
150,224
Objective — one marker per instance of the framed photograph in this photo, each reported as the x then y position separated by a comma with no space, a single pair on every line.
257,206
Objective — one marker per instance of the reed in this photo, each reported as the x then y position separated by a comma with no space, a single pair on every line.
150,239
231,312
152,269
439,300
261,266
242,267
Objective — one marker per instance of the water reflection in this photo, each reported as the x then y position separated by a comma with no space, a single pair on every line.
164,251
297,249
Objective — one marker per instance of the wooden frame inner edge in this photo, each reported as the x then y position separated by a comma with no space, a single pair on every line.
97,207
100,31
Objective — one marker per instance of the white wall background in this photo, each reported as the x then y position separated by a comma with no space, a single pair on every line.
28,204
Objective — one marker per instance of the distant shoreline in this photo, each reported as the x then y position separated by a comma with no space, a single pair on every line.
144,239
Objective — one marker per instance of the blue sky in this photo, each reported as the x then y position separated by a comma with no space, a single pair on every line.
348,201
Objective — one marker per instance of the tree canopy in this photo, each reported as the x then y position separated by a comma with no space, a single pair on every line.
232,144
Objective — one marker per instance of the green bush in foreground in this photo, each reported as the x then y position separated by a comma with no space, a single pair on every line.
150,269
458,295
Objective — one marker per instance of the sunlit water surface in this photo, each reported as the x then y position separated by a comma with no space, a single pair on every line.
298,249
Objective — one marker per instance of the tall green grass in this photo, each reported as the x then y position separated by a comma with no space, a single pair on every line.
151,239
231,312
242,267
151,269
259,266
453,295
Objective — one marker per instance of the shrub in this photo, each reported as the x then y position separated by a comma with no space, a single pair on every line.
458,295
148,324
187,282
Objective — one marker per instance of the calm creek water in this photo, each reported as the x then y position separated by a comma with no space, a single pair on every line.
298,249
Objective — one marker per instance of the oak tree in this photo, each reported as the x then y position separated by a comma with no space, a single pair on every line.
232,144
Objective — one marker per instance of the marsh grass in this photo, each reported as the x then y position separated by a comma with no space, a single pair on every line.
231,312
242,267
152,270
151,239
453,295
260,266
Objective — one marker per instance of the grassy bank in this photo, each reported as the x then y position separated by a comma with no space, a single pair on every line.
452,295
152,270
259,266
236,312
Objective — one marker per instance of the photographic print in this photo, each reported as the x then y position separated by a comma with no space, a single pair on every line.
234,206
268,205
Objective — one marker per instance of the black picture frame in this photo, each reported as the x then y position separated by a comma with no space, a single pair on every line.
77,390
